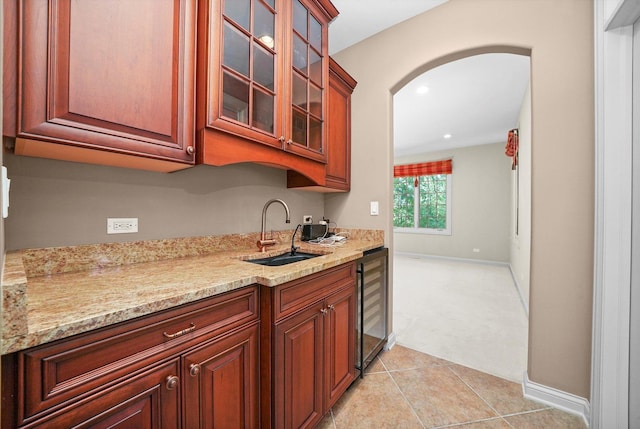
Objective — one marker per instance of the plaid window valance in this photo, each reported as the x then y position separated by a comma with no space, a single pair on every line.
423,169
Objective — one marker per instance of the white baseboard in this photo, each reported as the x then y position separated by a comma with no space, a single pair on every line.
451,258
391,341
555,398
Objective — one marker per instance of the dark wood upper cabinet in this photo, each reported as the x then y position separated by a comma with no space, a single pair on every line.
108,82
338,143
165,84
263,74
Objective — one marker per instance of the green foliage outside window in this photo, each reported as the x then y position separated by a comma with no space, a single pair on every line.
431,193
403,204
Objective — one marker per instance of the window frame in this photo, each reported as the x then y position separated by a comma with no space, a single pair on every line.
416,213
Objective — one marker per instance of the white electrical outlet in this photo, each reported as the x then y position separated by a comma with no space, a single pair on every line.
307,219
121,225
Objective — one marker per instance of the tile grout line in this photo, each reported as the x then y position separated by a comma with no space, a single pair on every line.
402,394
453,425
499,415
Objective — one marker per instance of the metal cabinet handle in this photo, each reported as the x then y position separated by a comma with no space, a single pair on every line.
331,307
323,311
281,139
190,150
194,369
172,382
191,328
290,141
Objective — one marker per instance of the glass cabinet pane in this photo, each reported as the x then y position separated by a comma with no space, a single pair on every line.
263,71
299,54
236,50
315,67
235,99
315,100
238,11
299,92
300,18
264,25
315,34
315,134
263,109
299,127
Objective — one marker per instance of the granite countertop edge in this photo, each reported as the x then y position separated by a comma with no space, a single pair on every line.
42,307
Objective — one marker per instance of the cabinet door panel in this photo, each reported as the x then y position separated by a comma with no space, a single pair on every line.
109,75
221,382
145,401
340,368
298,369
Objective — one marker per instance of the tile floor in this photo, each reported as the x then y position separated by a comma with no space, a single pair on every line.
404,389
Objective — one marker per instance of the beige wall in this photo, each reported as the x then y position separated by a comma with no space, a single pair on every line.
56,203
559,37
520,257
480,206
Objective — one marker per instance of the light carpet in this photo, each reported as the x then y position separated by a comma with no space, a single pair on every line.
466,312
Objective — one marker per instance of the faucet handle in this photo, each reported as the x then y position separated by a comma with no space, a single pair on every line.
263,244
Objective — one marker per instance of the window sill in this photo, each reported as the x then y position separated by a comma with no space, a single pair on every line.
424,231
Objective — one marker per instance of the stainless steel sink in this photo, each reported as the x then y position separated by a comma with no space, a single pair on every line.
283,259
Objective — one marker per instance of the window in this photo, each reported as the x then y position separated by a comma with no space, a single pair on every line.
421,202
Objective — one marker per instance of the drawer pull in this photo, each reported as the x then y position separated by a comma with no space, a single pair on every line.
184,331
194,369
331,307
172,382
323,311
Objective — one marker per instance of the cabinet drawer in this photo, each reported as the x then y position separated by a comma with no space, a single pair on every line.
295,295
143,401
72,368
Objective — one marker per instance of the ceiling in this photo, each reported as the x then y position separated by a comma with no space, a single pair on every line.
475,100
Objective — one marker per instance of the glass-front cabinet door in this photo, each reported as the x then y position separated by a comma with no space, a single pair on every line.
245,92
308,73
268,72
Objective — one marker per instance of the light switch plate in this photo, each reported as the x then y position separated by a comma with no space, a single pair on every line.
6,183
375,208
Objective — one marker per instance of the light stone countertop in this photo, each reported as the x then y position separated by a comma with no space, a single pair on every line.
49,294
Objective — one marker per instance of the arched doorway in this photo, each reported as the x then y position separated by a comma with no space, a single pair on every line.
472,281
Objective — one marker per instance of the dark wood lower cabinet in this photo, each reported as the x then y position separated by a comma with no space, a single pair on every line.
312,352
194,366
270,357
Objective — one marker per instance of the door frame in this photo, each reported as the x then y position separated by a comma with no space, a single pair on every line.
613,32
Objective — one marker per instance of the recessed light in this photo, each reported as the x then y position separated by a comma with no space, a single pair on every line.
267,40
422,89
447,136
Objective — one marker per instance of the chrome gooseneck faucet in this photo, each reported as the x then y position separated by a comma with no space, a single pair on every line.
263,243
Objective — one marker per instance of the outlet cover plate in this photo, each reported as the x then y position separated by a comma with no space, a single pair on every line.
122,225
